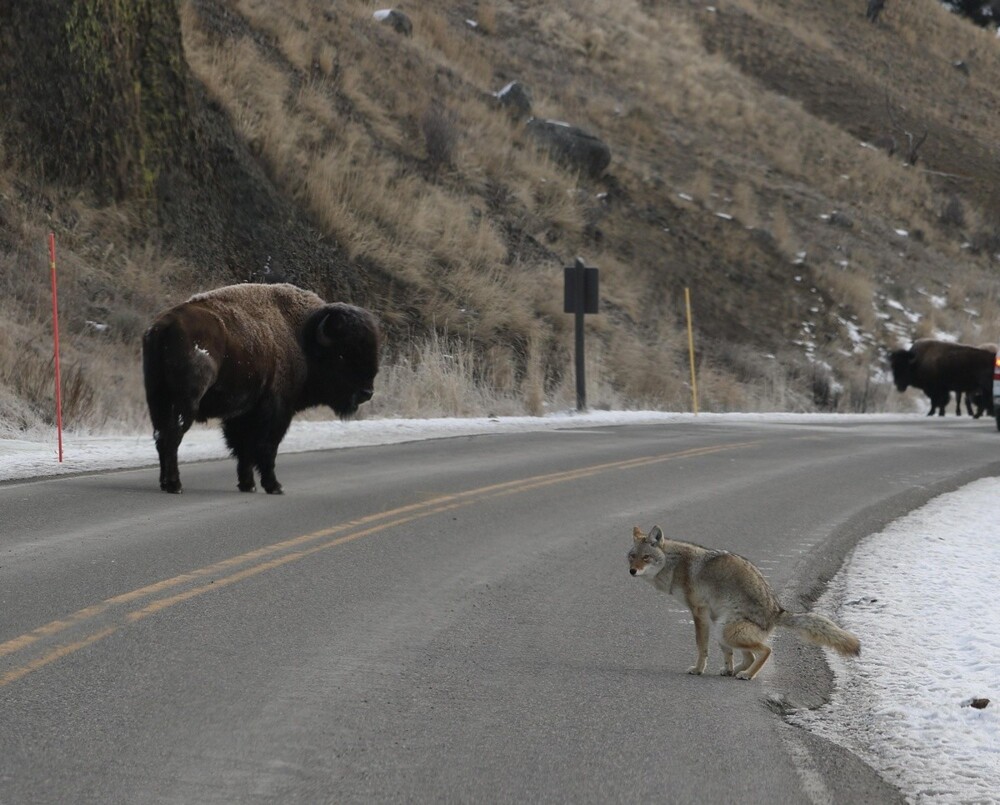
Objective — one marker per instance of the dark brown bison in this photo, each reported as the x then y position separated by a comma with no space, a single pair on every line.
252,356
939,367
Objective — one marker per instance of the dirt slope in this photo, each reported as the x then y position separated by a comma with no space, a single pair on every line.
331,150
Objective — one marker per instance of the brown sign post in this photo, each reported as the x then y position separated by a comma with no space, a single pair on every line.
581,296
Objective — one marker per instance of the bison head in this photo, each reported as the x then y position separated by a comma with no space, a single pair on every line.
901,361
341,343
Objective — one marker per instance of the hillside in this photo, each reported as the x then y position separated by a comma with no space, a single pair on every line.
312,142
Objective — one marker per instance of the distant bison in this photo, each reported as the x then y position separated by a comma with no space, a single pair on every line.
939,367
253,355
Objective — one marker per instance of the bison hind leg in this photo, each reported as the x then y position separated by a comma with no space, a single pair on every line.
237,432
169,428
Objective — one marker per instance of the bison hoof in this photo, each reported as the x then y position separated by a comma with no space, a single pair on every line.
173,487
247,487
274,490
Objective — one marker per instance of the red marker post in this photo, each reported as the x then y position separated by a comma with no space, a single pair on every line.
55,336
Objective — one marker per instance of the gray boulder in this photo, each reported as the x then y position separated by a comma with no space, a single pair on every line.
572,146
515,98
397,19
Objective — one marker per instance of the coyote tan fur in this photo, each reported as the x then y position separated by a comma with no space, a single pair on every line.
721,586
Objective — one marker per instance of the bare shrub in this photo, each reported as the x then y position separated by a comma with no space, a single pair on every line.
441,376
745,205
783,232
740,378
953,212
852,290
437,125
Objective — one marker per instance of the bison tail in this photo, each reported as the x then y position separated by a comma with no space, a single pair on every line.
154,376
176,374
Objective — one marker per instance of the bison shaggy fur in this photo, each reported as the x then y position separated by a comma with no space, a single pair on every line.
253,356
939,367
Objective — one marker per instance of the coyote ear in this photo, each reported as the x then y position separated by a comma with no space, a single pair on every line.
655,535
637,534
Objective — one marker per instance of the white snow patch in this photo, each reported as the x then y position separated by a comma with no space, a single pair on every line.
33,454
918,595
854,333
908,314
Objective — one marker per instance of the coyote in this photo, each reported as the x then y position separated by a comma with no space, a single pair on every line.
718,585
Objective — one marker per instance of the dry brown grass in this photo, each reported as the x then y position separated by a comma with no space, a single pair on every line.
438,237
393,148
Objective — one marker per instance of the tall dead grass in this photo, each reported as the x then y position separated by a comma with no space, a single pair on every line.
475,222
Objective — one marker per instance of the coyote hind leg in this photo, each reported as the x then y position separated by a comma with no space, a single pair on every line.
748,637
727,660
727,655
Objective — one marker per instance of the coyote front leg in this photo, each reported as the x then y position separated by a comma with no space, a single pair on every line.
701,631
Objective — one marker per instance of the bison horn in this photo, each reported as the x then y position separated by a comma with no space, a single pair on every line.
321,337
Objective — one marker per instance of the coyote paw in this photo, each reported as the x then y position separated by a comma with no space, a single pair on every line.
695,670
743,675
726,672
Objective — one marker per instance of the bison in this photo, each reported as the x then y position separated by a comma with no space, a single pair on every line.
253,356
940,367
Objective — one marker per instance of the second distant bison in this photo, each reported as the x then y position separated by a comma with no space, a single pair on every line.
252,356
940,367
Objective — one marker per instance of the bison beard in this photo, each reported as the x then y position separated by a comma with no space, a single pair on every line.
253,356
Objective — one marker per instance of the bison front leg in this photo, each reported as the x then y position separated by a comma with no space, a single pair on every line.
266,450
265,463
939,402
253,439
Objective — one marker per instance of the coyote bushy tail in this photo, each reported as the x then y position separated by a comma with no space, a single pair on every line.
821,631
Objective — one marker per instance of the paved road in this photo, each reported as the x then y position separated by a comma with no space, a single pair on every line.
437,621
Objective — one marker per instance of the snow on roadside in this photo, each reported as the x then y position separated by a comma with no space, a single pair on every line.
35,454
922,596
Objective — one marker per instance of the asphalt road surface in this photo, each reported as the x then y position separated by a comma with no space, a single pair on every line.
448,620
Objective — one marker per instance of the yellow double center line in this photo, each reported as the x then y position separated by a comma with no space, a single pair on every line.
140,603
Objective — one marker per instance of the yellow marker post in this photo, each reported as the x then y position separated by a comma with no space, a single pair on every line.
694,382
